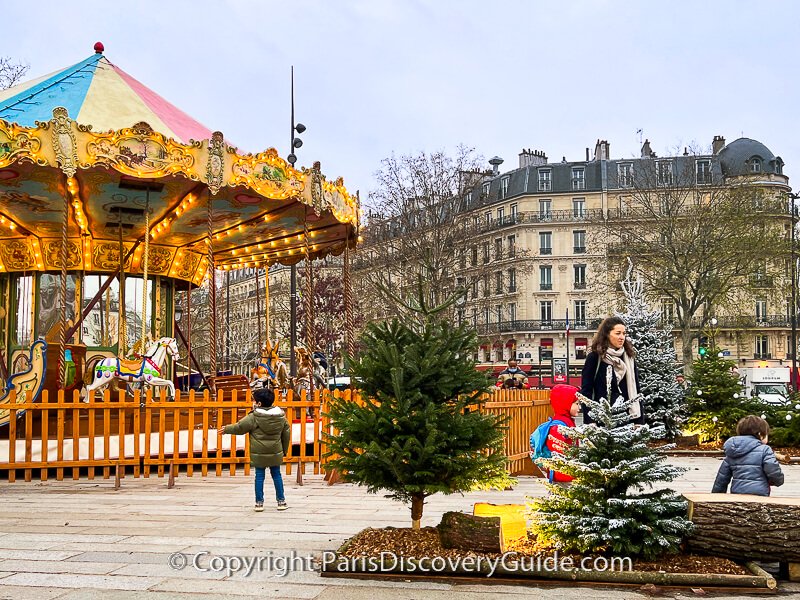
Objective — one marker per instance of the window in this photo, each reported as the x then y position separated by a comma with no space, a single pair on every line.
578,208
486,290
501,214
762,346
580,276
664,172
473,256
514,211
462,259
512,280
545,277
625,175
761,311
485,191
476,222
474,285
512,246
579,241
545,180
498,282
512,312
546,312
485,252
703,172
460,316
486,315
546,349
461,282
487,218
580,313
755,165
667,311
545,242
498,311
498,248
474,317
545,210
578,178
504,187
580,348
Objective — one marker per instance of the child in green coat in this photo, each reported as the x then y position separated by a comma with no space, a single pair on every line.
269,442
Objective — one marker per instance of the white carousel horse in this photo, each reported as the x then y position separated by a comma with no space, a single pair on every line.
146,370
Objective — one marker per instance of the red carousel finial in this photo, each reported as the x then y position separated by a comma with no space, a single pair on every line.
98,48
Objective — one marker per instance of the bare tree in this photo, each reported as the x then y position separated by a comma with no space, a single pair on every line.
11,72
417,228
701,245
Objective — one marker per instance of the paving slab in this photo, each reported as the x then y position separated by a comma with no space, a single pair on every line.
134,531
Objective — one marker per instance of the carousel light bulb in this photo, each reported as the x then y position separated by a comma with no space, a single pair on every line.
12,226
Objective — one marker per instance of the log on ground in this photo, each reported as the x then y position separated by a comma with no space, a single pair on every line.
745,527
468,532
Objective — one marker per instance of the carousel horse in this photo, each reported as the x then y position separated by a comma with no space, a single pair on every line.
310,367
271,371
146,370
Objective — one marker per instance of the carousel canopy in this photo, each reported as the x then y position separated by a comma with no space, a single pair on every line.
124,162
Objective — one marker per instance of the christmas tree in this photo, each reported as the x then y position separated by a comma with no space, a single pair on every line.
664,398
418,430
716,399
610,506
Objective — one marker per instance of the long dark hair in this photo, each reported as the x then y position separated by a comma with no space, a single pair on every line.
600,341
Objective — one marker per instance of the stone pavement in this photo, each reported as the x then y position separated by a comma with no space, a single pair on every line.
84,540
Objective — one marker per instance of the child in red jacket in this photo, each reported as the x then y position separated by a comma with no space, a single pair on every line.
566,406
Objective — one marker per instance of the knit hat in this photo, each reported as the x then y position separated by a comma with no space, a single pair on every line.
562,397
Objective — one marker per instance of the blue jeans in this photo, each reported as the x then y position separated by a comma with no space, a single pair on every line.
277,481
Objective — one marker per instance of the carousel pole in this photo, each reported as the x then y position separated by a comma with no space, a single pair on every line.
145,264
228,320
189,333
348,301
212,286
266,306
62,376
122,334
258,315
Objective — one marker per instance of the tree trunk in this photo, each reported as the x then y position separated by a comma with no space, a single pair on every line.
745,527
687,353
417,504
467,532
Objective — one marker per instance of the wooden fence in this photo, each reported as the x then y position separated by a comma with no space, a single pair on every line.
150,435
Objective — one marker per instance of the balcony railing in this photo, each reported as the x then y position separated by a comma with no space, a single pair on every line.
579,250
545,287
580,285
538,325
761,281
740,322
545,250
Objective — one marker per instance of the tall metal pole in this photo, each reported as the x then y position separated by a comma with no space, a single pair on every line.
293,273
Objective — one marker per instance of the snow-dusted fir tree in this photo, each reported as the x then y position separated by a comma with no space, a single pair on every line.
664,398
611,507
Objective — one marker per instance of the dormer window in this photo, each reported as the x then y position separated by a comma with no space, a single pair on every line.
485,190
755,165
504,187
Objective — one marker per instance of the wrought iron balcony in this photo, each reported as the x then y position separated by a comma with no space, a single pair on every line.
538,325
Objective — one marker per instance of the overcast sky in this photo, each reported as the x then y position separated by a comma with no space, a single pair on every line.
373,77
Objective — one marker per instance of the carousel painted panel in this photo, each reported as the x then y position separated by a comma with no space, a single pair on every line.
17,255
140,152
268,175
19,144
26,379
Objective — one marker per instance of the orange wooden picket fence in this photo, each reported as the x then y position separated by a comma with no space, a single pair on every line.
153,435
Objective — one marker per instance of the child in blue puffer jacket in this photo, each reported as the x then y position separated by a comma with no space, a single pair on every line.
749,465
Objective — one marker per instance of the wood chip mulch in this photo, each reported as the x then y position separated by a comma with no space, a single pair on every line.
425,542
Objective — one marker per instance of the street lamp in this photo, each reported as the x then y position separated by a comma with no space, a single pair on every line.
294,142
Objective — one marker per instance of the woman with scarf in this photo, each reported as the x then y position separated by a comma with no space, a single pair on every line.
612,354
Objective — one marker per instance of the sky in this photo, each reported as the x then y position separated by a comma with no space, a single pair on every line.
380,77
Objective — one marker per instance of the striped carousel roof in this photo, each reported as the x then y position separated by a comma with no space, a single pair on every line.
98,93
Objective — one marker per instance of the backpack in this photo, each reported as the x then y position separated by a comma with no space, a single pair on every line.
539,447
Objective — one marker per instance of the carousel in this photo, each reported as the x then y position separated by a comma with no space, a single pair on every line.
112,203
